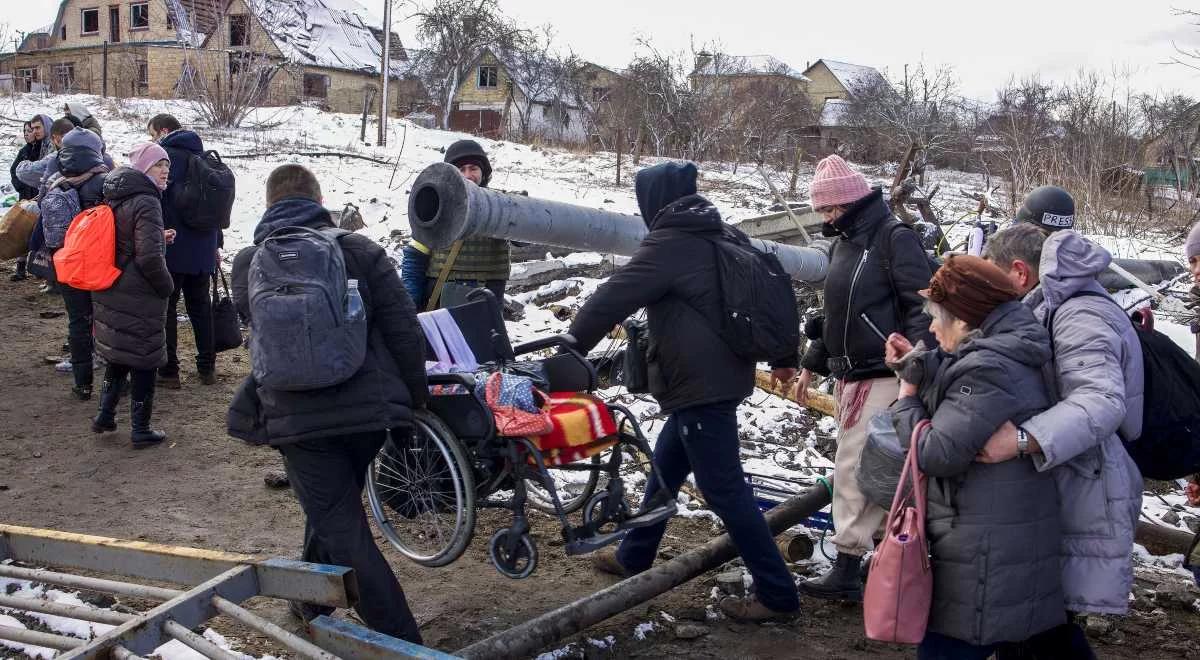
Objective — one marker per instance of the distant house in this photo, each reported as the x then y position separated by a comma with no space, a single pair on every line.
832,88
528,96
328,51
1172,158
742,70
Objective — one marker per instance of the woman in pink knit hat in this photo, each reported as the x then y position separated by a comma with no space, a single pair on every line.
130,317
876,268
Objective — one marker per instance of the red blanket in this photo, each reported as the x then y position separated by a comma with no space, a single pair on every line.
583,426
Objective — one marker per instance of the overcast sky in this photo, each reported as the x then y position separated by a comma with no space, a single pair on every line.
986,43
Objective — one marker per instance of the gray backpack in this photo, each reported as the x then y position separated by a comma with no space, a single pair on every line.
301,337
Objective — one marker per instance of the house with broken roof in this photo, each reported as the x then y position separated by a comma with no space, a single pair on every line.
528,95
325,52
832,89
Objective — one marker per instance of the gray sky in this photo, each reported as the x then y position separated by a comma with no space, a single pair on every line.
986,43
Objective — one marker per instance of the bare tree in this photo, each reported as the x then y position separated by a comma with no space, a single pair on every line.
454,33
227,65
1189,57
919,108
544,78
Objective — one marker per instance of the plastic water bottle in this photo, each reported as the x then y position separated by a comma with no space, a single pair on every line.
354,302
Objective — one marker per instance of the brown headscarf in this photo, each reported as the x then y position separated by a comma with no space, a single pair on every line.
970,288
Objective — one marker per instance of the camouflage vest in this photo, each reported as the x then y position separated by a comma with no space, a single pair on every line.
480,259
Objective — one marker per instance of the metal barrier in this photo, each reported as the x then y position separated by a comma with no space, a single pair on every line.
221,581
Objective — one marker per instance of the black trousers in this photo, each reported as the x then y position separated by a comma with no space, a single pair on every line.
141,381
1064,642
79,332
197,300
328,477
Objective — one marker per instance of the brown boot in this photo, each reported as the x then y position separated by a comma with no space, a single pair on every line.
606,561
749,610
169,381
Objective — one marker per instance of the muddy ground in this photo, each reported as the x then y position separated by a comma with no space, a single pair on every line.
203,489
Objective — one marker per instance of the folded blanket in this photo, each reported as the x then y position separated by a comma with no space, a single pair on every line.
583,426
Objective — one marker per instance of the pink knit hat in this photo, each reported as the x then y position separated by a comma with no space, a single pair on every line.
835,184
145,155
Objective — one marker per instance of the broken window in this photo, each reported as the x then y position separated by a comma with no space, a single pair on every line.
63,32
316,85
143,78
239,30
90,19
599,94
139,16
489,77
27,76
64,77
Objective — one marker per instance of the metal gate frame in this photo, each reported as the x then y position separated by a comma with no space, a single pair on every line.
221,581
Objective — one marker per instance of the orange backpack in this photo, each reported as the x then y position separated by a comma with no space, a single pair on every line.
87,259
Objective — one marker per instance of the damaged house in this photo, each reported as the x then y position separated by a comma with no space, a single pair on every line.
323,52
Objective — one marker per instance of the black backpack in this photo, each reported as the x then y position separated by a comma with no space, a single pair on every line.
1169,446
759,319
205,198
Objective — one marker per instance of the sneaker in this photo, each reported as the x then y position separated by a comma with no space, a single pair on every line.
63,367
749,610
169,381
606,561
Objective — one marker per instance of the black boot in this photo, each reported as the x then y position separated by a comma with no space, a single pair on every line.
20,274
843,582
105,420
139,413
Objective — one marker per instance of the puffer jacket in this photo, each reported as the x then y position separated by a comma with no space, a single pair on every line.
1097,372
674,276
994,529
391,382
24,190
130,316
78,171
846,347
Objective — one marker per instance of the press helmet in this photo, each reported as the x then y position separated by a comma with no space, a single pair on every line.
1048,207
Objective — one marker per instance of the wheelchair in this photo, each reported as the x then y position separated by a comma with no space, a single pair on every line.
424,490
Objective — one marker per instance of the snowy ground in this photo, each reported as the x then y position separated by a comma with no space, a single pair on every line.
775,443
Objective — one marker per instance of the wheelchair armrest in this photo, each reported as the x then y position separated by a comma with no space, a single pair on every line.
562,341
466,380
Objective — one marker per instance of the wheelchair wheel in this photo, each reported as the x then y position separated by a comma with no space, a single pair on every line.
422,493
574,488
517,564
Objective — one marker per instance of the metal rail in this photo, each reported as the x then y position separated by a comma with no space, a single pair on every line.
225,580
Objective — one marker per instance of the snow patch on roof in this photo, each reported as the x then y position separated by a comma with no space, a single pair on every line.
854,77
732,65
339,34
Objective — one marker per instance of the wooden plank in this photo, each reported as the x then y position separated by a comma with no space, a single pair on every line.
818,401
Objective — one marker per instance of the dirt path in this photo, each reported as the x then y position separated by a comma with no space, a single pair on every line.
204,489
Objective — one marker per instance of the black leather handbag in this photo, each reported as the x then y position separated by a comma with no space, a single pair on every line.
227,330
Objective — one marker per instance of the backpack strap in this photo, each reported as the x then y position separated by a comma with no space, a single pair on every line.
1077,294
886,253
444,275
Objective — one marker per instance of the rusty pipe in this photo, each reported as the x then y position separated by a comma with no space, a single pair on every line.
522,640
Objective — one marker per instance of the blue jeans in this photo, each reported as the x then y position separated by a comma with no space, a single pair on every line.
941,647
704,441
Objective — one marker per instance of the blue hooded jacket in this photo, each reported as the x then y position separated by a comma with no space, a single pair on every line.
194,252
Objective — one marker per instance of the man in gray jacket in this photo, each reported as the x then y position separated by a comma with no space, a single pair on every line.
1097,378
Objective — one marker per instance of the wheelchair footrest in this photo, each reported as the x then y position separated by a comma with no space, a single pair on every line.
593,543
650,517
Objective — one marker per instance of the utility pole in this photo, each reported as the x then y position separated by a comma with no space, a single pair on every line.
104,67
385,70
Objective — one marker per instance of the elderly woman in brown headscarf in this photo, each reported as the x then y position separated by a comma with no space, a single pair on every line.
993,528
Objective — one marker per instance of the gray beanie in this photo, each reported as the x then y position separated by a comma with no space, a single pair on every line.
1191,248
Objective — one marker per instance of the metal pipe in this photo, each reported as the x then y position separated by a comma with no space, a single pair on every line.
62,609
522,640
91,584
301,647
196,642
443,208
122,653
24,636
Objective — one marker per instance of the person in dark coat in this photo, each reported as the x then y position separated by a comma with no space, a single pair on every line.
328,437
845,346
696,378
993,528
78,171
78,114
129,316
24,191
191,257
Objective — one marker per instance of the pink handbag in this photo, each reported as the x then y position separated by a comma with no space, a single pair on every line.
900,585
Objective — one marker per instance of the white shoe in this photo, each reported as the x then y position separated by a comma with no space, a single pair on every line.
63,367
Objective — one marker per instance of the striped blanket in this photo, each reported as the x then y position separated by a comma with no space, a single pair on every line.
583,426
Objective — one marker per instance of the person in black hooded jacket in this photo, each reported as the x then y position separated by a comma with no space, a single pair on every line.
328,437
694,375
24,191
860,291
